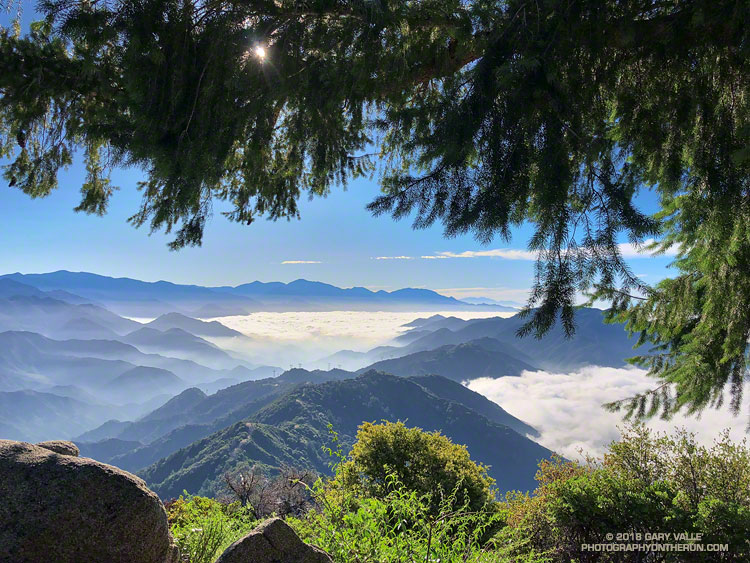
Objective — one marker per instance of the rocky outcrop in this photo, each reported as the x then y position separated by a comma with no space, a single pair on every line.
61,447
273,542
57,507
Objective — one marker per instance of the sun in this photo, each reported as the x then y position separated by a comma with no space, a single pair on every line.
260,52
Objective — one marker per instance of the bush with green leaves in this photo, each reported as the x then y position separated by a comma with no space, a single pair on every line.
645,483
371,513
203,527
427,463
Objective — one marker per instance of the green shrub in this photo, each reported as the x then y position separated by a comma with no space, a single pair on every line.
368,516
645,483
427,463
203,527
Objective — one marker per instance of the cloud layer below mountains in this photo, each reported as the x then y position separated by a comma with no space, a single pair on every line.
304,337
566,407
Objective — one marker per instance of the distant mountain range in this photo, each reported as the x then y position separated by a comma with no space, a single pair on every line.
488,301
67,366
32,359
136,298
215,329
465,349
178,343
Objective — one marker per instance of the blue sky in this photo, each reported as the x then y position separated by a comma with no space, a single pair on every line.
336,241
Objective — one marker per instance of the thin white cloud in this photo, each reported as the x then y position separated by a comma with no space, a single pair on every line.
394,257
627,249
468,288
567,410
507,253
301,262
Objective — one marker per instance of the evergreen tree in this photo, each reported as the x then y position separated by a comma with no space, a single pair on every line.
484,115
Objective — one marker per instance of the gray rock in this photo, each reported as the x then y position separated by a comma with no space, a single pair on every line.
71,509
61,447
273,541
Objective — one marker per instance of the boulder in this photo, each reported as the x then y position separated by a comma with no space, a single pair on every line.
60,447
273,541
71,509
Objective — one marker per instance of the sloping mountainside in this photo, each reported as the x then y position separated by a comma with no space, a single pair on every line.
52,317
32,361
436,322
32,416
484,357
293,428
178,343
144,381
194,326
103,432
192,406
105,450
143,299
183,402
594,343
411,336
452,391
192,415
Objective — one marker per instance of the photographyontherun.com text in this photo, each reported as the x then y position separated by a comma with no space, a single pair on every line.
654,542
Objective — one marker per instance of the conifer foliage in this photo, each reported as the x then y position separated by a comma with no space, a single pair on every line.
484,115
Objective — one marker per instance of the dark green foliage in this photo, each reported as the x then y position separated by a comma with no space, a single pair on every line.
486,115
200,467
645,483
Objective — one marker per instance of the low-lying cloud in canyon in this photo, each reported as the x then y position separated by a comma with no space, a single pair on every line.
567,409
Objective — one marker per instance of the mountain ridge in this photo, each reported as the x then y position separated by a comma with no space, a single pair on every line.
293,428
134,297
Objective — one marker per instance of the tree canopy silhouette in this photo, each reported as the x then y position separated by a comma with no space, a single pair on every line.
483,115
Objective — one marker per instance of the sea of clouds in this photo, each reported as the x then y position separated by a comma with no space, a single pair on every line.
567,410
306,338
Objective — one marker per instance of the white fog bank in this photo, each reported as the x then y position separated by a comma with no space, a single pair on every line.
566,407
305,337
